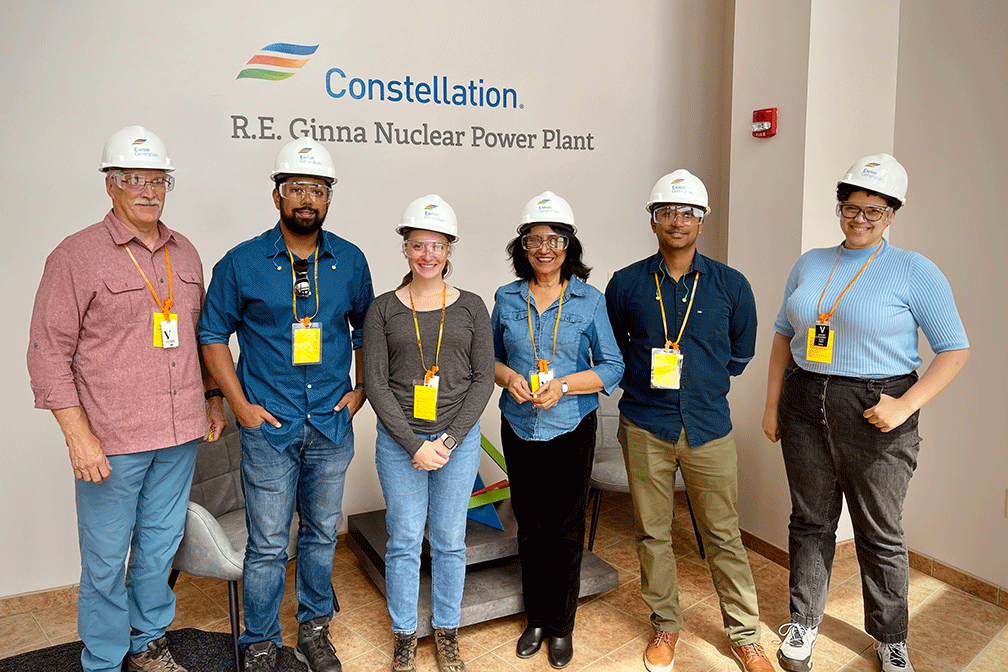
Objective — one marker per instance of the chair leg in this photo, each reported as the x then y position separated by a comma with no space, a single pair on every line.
597,504
233,609
172,578
696,531
335,602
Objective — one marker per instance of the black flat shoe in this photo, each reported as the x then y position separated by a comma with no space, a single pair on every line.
529,642
560,651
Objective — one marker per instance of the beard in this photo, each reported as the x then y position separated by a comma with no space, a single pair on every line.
300,225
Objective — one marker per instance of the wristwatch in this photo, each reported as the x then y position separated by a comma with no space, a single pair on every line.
563,386
449,441
209,394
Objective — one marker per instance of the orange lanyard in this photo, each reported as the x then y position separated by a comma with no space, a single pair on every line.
304,320
825,317
543,364
668,343
437,355
166,306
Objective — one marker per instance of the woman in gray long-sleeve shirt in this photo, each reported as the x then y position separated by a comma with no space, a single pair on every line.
429,373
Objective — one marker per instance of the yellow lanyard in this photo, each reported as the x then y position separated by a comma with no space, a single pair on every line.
437,355
304,320
542,364
668,343
166,306
825,317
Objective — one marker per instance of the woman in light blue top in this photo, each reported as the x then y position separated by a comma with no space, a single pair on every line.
554,351
843,398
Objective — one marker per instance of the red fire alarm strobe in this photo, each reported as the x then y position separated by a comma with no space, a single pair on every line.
764,123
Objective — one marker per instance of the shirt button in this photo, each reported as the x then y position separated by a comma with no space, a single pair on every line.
174,391
173,363
161,281
309,416
309,386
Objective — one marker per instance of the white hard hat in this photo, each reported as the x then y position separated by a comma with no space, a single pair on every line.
304,156
547,208
135,147
680,186
430,213
880,173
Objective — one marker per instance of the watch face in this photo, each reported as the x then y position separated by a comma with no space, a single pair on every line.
450,443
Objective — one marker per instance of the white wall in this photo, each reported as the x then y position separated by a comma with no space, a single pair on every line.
71,74
935,79
952,136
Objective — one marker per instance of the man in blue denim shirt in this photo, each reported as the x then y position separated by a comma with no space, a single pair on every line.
292,295
685,324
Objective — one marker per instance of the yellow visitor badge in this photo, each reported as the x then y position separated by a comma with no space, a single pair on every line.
666,367
425,399
165,331
539,378
820,343
306,343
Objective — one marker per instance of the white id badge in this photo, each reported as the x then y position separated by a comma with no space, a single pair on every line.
539,378
169,333
666,366
306,343
425,399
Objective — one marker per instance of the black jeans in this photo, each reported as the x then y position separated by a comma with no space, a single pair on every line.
830,452
549,495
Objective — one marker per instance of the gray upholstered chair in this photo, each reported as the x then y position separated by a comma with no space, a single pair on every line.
213,545
609,470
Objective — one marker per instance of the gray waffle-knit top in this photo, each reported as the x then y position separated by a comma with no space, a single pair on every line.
392,365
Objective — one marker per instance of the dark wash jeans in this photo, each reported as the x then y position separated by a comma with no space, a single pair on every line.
549,495
831,452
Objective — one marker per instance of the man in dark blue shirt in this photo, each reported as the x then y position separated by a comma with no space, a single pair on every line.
685,324
292,295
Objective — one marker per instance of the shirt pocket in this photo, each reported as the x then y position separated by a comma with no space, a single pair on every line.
187,290
126,300
516,330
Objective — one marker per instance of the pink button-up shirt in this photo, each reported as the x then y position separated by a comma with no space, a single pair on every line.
92,338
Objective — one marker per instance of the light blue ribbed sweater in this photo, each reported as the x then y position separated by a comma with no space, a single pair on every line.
875,325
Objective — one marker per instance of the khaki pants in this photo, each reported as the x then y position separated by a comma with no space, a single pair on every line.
710,474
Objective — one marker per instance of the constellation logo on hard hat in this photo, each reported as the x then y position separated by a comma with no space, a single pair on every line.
139,141
873,172
277,61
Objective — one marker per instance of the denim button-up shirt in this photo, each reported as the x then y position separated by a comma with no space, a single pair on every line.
584,341
251,294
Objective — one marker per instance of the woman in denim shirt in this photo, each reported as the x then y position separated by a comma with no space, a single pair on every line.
555,351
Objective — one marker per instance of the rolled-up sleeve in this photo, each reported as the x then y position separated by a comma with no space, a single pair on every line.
55,327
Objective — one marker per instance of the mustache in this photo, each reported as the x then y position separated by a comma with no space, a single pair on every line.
147,201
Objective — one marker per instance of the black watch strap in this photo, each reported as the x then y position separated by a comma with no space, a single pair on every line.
209,394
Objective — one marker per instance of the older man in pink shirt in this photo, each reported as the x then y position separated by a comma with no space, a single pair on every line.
113,355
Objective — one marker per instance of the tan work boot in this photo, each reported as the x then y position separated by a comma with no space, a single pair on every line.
156,658
404,655
659,656
447,652
752,657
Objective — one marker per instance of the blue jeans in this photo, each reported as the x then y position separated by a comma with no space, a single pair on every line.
309,474
140,508
440,499
831,452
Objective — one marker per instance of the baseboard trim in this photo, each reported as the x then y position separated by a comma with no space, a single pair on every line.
986,591
56,597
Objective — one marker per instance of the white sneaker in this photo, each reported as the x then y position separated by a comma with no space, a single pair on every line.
795,652
894,657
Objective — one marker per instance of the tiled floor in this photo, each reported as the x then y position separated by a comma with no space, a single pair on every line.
949,630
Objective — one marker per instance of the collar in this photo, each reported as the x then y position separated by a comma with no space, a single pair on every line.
275,246
574,288
121,235
656,264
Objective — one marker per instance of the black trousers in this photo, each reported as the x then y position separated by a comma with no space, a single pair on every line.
549,495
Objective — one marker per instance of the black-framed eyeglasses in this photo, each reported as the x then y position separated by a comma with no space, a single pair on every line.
872,213
302,286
